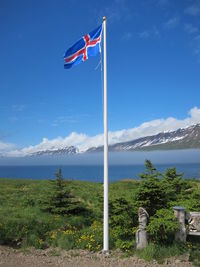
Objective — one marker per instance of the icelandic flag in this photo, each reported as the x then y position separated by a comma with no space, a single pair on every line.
89,45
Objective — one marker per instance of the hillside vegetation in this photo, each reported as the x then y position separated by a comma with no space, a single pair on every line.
68,214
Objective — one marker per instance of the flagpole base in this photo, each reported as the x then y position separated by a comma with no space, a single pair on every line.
105,252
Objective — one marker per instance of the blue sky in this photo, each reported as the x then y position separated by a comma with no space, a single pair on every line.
153,70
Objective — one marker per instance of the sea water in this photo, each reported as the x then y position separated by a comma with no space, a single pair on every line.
90,167
92,173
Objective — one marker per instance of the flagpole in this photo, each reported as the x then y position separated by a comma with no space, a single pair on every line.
106,238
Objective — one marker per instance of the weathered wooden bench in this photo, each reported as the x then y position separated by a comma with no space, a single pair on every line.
193,219
194,233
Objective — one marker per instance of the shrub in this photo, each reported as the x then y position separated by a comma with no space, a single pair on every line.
123,218
69,237
189,199
174,184
162,227
195,256
151,193
64,237
60,199
91,238
25,228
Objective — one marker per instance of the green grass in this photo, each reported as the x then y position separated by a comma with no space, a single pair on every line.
160,253
23,223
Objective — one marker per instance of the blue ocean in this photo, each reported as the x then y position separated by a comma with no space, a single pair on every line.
89,167
93,173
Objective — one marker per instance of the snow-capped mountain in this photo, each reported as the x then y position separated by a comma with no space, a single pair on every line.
56,151
180,139
183,138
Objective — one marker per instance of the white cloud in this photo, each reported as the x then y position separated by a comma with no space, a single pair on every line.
115,11
197,46
127,36
144,34
172,23
163,3
64,120
4,147
193,10
83,141
19,108
154,32
194,31
189,28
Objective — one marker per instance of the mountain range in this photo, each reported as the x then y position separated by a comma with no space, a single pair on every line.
183,138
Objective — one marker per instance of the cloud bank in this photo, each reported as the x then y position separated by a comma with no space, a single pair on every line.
5,147
83,141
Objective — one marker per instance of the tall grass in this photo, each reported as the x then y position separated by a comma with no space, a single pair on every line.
160,253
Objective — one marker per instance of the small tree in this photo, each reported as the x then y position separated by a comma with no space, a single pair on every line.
174,181
59,178
162,226
123,218
151,193
150,169
60,200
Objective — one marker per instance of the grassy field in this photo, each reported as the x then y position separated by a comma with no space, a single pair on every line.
28,218
23,221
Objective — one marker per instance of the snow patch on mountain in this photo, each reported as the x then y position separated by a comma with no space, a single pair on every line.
80,142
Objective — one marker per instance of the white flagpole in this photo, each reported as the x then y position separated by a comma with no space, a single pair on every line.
106,238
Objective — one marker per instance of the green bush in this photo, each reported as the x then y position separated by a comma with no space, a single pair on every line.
174,184
195,256
92,237
151,193
25,228
123,219
190,199
162,226
64,237
69,237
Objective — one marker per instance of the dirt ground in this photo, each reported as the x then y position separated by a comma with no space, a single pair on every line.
10,257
